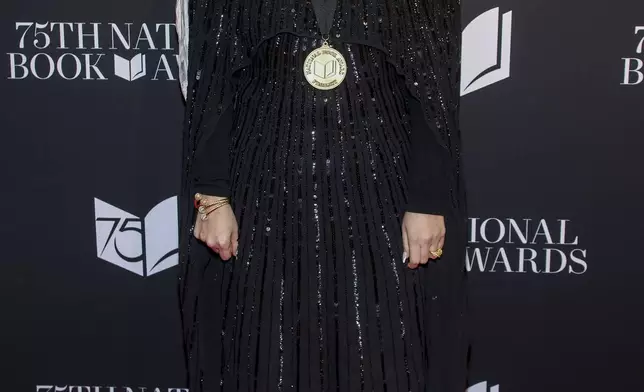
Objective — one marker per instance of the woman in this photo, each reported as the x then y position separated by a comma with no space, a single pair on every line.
322,141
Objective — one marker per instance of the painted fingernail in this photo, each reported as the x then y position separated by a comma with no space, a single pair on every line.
404,256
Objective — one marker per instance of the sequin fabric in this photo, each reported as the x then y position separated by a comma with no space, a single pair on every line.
318,298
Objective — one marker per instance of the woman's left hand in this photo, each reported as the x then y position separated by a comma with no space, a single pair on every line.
421,235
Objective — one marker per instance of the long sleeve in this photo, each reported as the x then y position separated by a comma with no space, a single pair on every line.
430,62
210,53
212,160
212,56
428,185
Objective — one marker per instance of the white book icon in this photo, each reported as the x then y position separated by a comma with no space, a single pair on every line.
482,387
485,57
144,246
130,69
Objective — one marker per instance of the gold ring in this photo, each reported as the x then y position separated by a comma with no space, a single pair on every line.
438,252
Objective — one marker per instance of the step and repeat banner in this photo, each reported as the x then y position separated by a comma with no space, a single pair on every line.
553,123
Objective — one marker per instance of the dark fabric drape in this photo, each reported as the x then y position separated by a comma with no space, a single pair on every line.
420,42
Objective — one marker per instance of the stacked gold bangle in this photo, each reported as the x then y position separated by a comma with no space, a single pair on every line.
205,206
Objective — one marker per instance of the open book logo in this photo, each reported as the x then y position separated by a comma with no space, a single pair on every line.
130,69
485,56
325,70
144,246
482,387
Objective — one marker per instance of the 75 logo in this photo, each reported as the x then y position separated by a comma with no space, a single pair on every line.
145,246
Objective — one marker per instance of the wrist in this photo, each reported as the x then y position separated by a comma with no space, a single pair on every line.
205,204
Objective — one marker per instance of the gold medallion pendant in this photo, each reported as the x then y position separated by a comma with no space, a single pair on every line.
325,67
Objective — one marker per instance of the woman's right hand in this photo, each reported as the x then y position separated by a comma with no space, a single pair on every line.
219,231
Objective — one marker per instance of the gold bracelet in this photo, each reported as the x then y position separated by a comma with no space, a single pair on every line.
203,205
200,200
204,214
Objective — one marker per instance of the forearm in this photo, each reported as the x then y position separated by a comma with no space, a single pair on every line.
210,172
428,186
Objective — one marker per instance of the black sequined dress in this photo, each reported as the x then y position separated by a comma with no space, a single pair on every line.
318,298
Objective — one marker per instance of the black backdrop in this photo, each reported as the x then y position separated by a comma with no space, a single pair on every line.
553,158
